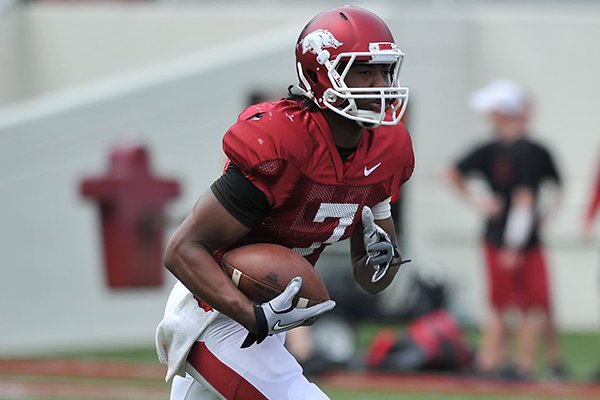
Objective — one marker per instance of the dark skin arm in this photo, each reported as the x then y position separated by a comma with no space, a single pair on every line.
209,226
363,273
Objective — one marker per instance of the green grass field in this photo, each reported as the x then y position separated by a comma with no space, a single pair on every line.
582,355
581,351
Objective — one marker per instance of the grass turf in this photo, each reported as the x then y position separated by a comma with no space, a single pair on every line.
581,353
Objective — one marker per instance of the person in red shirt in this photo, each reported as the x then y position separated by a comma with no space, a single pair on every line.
514,168
303,172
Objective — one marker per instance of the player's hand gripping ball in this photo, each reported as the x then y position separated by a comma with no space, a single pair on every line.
287,289
262,271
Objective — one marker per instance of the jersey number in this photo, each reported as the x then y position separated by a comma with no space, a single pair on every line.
344,212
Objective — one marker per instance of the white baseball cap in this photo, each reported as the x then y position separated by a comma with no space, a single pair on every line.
502,96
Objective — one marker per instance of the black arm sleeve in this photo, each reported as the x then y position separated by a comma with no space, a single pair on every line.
240,197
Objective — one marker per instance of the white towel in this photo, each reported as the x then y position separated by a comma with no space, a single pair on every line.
179,329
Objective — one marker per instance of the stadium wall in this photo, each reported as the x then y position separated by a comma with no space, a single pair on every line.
175,77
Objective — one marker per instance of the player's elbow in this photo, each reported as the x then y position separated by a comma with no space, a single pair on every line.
364,281
174,254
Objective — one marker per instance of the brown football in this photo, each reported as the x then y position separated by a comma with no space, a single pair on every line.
262,271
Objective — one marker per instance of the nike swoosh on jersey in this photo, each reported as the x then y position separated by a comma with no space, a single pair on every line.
279,327
368,171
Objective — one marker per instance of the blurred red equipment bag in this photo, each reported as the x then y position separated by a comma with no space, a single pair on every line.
433,341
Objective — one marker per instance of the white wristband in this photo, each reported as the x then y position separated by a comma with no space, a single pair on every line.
382,210
518,226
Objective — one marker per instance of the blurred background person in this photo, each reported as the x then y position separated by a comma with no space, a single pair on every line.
592,209
513,167
587,228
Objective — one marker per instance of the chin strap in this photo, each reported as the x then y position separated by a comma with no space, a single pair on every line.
366,114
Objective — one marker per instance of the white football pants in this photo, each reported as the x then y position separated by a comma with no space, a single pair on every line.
217,368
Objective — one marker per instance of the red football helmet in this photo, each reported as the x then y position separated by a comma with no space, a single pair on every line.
327,48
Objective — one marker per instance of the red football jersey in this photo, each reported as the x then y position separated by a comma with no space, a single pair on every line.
315,199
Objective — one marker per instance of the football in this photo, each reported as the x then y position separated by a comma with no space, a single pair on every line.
262,271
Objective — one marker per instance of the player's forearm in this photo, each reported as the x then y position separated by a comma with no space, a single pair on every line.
195,267
189,257
363,273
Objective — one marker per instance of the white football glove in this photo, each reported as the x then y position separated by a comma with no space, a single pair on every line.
378,244
279,315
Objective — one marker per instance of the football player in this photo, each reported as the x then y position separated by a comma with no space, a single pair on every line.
304,172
